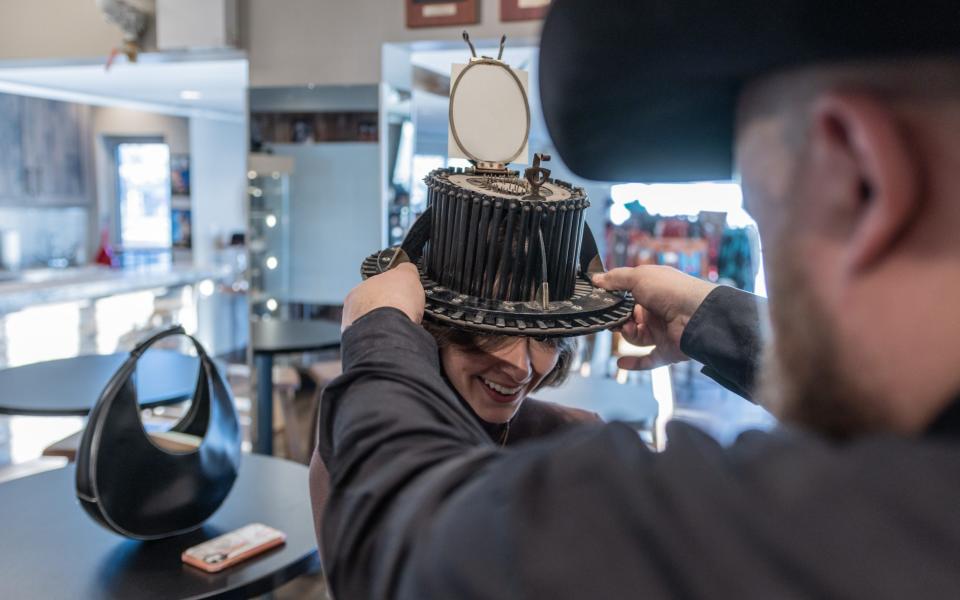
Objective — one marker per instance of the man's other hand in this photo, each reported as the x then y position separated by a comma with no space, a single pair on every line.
399,288
666,299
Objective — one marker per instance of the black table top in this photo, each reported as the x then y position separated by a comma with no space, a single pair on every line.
277,336
71,386
60,552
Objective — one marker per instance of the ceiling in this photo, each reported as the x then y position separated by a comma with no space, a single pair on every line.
218,88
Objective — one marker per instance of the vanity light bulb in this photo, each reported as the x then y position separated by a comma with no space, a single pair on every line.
251,174
271,221
272,305
272,262
206,287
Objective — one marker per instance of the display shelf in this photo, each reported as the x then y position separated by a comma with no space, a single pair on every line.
268,225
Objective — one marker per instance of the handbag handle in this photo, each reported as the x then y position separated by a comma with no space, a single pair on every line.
143,346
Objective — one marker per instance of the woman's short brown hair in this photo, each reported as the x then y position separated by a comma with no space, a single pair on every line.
445,335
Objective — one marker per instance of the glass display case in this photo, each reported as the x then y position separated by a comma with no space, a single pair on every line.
268,231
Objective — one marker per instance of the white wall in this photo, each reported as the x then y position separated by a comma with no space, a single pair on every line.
289,42
43,29
218,155
218,166
295,42
335,217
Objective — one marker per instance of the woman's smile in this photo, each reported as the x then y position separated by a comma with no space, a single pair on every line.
501,392
495,382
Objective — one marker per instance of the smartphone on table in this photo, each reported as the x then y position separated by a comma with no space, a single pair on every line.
231,548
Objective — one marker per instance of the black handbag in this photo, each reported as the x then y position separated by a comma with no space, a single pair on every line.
130,484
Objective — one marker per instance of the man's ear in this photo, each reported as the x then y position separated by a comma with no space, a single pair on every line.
888,180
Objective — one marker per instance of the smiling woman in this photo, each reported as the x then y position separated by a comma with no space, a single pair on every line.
494,375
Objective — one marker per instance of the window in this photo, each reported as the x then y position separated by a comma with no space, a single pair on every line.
143,186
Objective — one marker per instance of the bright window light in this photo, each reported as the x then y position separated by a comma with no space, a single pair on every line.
187,315
619,214
460,163
45,332
144,188
422,165
680,199
118,315
403,170
663,393
30,435
190,95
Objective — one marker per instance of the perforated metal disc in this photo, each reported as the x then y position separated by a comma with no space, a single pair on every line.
507,187
590,309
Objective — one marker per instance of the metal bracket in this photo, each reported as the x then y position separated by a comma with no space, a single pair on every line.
412,247
536,175
590,262
543,293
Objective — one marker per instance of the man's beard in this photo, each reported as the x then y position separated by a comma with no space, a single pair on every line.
801,379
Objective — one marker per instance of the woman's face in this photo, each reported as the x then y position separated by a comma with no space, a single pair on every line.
495,382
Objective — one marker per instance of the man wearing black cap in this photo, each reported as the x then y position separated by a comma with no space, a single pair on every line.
847,126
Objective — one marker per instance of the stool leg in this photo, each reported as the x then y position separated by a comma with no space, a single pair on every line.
263,443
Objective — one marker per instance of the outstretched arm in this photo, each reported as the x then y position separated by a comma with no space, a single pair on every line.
685,317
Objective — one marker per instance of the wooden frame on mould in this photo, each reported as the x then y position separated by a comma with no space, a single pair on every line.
523,10
441,13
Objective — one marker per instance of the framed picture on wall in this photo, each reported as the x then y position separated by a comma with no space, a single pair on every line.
180,174
439,13
182,226
523,10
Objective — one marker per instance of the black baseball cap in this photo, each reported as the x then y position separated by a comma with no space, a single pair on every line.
645,90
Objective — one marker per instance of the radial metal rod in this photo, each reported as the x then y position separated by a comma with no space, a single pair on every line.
480,251
474,238
495,246
501,284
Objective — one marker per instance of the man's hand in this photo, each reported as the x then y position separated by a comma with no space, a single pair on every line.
399,288
666,299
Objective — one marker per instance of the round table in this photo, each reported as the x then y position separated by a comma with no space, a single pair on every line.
60,552
276,336
71,386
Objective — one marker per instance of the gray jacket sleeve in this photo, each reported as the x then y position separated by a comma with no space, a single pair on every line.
423,506
725,335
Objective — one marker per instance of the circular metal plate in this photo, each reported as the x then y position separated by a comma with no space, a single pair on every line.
590,309
509,188
489,112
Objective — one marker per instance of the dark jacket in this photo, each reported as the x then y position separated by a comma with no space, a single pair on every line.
534,419
424,506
